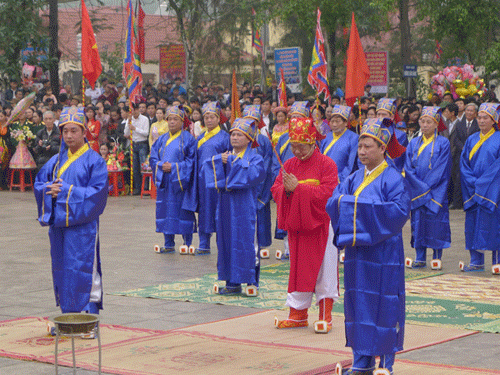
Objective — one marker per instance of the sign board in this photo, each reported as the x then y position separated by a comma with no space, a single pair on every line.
378,63
172,63
290,60
410,71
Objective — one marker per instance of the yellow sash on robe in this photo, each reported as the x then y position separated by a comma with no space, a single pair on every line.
366,181
371,177
172,137
71,158
482,139
334,140
425,143
209,135
282,149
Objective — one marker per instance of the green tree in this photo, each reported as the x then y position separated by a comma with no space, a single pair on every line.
20,27
466,29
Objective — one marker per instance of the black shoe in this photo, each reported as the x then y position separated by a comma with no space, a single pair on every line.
136,192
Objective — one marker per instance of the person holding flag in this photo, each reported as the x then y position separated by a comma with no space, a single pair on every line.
71,191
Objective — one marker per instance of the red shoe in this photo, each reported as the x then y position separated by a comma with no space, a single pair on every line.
296,318
324,324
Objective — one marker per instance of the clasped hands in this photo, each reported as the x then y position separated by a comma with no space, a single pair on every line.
55,188
166,167
290,182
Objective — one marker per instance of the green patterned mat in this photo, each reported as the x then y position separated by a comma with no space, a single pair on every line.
272,289
272,295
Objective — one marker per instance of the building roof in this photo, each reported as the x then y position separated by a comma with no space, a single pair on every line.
158,30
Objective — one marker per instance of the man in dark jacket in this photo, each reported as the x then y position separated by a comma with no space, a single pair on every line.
47,141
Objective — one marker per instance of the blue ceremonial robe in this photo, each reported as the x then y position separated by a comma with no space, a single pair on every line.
237,183
428,175
480,177
265,150
369,227
207,198
285,152
343,152
73,220
176,190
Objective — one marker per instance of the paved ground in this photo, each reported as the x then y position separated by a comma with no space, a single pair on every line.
128,260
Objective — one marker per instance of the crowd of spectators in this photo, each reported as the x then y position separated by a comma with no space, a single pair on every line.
107,107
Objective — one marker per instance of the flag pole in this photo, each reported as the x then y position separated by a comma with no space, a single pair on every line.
131,149
83,91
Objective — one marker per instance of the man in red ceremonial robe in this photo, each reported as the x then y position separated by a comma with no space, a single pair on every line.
301,191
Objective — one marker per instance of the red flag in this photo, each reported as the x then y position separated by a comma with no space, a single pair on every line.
91,62
357,69
140,28
235,100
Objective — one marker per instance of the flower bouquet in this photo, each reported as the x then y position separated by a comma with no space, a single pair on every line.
459,81
22,158
22,134
145,167
118,158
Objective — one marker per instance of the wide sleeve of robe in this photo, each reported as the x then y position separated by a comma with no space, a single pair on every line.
75,204
429,189
369,220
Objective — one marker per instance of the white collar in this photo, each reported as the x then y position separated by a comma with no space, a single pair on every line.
369,172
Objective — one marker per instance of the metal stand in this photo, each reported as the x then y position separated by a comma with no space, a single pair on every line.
76,327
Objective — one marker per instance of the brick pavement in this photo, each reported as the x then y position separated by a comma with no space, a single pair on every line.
127,239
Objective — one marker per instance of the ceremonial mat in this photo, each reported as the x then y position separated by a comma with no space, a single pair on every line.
246,345
457,287
141,351
272,289
260,327
452,313
406,367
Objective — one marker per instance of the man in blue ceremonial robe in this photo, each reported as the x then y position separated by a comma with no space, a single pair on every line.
297,110
427,170
173,161
368,211
236,177
264,149
386,108
341,145
213,141
480,180
71,191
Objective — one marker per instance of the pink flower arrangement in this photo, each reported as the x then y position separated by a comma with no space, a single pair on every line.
459,81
